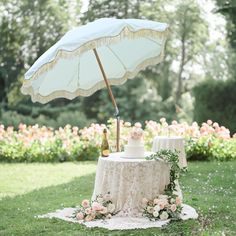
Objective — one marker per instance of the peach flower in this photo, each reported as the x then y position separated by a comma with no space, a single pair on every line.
85,203
103,210
96,206
80,216
88,211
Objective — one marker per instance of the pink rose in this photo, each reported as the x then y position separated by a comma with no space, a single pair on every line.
163,203
85,203
88,211
173,207
80,216
96,206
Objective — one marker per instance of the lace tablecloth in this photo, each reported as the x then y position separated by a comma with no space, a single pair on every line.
171,143
130,180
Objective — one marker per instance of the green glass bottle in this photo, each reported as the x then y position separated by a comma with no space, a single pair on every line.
105,146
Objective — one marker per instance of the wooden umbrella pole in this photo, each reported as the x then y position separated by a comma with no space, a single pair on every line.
112,99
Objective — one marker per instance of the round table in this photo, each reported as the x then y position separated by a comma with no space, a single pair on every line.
129,181
171,143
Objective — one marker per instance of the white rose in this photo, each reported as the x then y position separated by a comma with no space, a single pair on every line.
157,208
155,213
150,209
111,208
164,215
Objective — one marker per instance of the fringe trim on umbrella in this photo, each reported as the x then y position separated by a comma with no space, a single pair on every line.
28,90
125,33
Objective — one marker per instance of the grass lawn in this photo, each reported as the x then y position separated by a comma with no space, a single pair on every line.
27,190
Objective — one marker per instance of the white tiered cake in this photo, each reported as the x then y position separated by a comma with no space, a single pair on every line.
135,146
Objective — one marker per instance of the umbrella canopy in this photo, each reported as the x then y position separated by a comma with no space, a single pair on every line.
70,68
102,53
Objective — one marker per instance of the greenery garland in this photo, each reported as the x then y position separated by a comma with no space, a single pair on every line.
171,157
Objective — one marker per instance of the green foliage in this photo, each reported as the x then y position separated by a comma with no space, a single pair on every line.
172,158
211,148
48,152
216,99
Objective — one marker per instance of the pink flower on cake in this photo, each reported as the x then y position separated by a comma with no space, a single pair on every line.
85,203
136,133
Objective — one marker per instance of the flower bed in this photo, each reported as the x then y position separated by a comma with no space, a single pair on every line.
43,144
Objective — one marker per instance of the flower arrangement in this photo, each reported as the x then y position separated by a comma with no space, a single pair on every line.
136,133
101,208
172,158
162,207
166,206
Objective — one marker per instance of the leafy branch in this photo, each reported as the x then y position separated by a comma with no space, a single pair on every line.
171,157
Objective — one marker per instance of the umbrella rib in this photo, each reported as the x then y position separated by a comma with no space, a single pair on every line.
117,57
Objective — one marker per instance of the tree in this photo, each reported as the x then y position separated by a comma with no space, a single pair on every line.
187,40
228,9
28,29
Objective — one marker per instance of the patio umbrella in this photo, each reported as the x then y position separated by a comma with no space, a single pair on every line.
105,52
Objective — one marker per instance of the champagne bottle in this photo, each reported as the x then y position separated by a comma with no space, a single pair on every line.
105,146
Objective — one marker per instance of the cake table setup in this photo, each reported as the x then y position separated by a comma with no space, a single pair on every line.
134,188
130,192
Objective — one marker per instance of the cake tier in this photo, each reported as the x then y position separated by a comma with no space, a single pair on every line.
135,142
134,151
